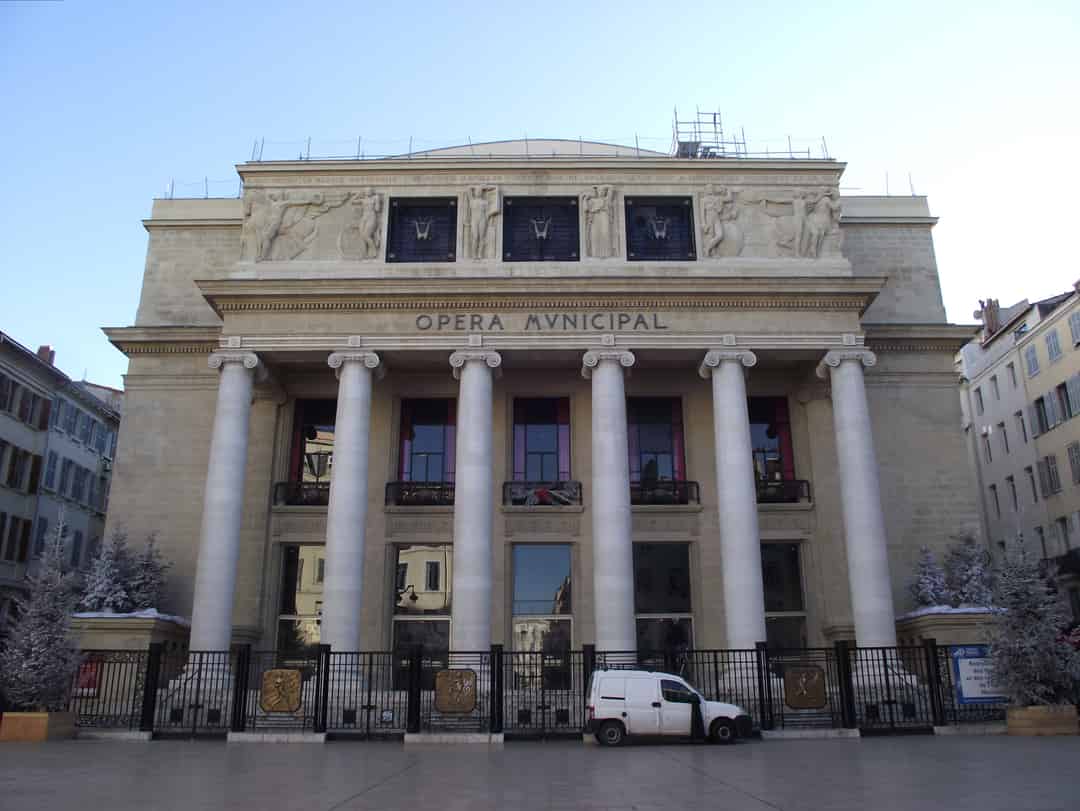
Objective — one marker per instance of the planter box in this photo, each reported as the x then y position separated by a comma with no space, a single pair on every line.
1054,719
954,626
35,727
133,631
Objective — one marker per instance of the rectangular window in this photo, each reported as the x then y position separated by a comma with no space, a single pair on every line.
27,404
659,228
1004,436
1053,347
7,389
311,454
57,413
1041,415
1062,403
76,549
78,484
540,229
994,387
16,474
994,500
1062,526
71,419
1031,358
978,401
1021,426
785,606
541,439
1052,474
65,477
662,578
1011,369
320,570
1073,449
425,229
39,538
656,449
1040,537
1011,482
1031,480
770,438
11,543
428,579
542,602
299,621
986,450
1074,327
101,439
427,441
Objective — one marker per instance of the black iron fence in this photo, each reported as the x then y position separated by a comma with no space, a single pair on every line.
786,491
420,494
373,694
306,494
665,492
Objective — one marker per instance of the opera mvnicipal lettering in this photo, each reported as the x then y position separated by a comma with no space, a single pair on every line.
541,322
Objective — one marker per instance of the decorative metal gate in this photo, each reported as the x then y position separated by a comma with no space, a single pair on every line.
194,693
543,693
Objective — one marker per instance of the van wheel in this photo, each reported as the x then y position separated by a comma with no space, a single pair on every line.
722,731
611,733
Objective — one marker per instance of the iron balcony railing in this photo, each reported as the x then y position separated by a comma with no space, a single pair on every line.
787,491
293,494
420,494
529,494
665,492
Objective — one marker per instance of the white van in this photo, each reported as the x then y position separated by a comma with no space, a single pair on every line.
641,702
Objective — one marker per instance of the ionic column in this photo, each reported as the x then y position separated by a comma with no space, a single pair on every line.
223,502
860,496
613,551
736,497
346,516
474,501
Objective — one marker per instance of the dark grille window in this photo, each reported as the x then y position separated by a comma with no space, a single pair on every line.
659,228
422,230
539,229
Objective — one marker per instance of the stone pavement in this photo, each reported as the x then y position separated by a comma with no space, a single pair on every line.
883,774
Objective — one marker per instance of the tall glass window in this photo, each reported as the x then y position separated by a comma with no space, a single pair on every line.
311,459
770,435
785,609
422,598
662,597
300,609
542,439
543,599
427,441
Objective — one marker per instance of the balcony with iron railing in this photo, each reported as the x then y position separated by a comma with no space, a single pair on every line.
783,491
301,494
664,492
542,494
419,494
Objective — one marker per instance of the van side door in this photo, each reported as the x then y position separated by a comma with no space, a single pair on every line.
642,706
676,707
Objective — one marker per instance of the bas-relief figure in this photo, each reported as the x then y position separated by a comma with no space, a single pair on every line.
280,225
723,233
481,207
599,207
803,223
360,235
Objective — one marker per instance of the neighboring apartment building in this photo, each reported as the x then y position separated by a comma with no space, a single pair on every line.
57,440
565,502
1020,395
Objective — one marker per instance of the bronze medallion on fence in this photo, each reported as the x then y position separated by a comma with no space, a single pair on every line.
455,691
280,691
804,687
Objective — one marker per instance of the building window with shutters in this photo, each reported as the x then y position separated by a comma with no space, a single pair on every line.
1020,424
1031,480
1063,403
1041,417
540,229
1073,450
39,538
978,401
1011,482
1004,436
1011,369
995,501
1041,538
50,471
1074,327
1048,475
994,387
986,450
1062,526
1053,347
1031,358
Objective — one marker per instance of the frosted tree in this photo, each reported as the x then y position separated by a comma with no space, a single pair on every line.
968,574
147,579
928,586
108,582
40,658
1034,660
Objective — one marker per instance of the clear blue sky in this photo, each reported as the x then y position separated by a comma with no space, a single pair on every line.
104,103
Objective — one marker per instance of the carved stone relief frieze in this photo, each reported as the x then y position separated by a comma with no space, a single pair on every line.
361,234
724,234
481,208
807,226
281,225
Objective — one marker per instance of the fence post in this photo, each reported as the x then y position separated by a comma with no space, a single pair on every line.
588,664
496,688
761,655
412,723
933,682
847,688
322,688
150,686
240,684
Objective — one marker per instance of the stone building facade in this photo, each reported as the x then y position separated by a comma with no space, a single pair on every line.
599,396
1020,393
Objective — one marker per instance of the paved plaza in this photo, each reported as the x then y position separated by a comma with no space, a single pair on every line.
957,773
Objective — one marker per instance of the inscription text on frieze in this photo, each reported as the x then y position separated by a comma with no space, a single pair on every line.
541,322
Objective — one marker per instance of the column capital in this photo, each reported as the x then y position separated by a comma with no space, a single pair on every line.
834,357
714,357
249,360
591,359
462,356
370,359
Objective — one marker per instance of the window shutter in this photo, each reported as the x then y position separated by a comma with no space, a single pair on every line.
1050,404
1072,386
1044,479
1033,420
24,542
1074,327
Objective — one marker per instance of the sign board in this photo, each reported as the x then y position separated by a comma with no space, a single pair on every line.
455,691
973,676
804,687
280,690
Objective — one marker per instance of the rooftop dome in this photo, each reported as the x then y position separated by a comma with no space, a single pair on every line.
540,147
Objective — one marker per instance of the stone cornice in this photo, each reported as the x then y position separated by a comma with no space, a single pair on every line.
919,337
164,340
504,294
151,224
